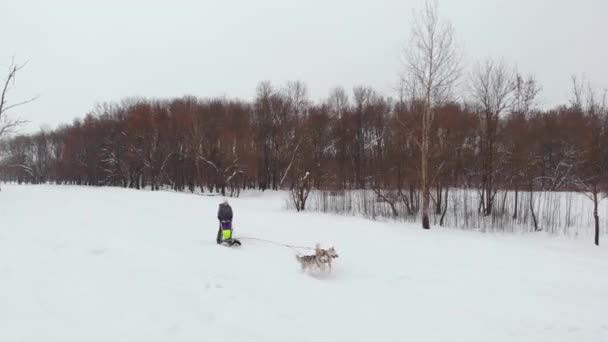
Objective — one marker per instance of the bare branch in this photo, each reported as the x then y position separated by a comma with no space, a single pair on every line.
295,152
8,126
209,162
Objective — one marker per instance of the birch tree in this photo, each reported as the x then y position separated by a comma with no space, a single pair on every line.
432,67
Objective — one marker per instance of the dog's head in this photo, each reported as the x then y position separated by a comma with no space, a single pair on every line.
332,252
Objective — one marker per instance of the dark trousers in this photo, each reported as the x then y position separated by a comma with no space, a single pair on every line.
219,234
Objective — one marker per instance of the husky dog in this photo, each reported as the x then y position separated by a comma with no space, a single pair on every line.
321,258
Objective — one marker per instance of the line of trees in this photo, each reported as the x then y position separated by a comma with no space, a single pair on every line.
410,150
363,141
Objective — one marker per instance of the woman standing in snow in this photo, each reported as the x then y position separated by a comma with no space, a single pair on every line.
224,215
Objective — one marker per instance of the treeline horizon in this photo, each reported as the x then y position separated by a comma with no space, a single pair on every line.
362,140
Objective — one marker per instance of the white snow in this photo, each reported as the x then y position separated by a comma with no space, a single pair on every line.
103,264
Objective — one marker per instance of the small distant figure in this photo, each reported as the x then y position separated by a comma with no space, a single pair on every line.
224,215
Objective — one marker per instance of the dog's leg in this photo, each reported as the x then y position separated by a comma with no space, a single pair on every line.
319,263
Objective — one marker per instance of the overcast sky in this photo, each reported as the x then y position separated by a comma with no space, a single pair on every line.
81,53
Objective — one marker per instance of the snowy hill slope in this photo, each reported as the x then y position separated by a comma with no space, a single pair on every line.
101,264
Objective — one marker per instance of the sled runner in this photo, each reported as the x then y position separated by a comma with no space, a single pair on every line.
231,243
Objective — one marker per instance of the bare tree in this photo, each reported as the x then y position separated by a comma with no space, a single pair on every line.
432,67
296,94
297,102
491,87
338,105
363,97
338,102
299,193
9,125
592,179
525,92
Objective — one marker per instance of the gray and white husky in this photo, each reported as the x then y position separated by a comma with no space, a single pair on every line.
319,260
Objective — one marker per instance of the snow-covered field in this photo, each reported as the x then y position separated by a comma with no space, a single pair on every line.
102,264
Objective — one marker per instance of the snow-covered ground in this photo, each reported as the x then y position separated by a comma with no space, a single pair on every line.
102,264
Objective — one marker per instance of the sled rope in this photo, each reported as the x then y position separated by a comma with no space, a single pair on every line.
295,248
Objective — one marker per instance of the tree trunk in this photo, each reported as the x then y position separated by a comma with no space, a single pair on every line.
596,216
532,210
445,207
488,197
489,165
414,208
439,200
516,203
424,169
